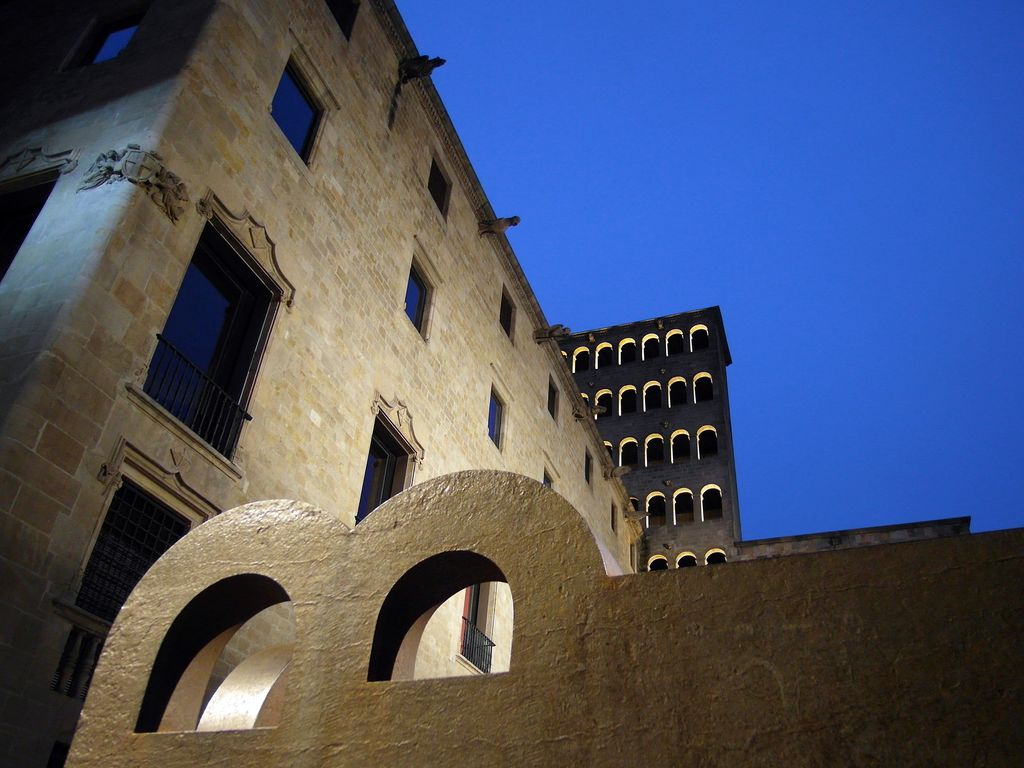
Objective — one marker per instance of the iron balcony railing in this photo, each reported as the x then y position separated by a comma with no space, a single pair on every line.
476,646
194,398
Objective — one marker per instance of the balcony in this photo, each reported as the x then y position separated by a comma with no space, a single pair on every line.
476,646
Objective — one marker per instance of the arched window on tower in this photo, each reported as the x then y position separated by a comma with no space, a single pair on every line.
611,450
634,502
703,388
627,351
686,560
652,347
657,563
604,399
699,338
714,557
707,442
677,392
629,452
605,355
711,502
654,450
675,342
580,360
652,395
627,399
680,446
656,510
682,506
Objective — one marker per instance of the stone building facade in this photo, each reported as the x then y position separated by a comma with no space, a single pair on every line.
661,398
244,263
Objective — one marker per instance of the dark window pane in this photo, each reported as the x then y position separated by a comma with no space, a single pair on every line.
494,417
505,314
547,479
199,317
438,187
588,466
627,353
18,212
135,532
552,398
113,41
294,112
416,299
344,12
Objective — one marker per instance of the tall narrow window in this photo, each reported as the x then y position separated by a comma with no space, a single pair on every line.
506,313
552,399
698,338
707,443
206,357
682,507
652,396
110,40
495,418
627,351
581,360
652,348
387,468
680,446
654,451
18,212
629,453
416,294
703,388
711,503
615,518
677,393
588,466
675,343
344,12
605,356
547,479
439,187
656,510
627,400
295,111
604,400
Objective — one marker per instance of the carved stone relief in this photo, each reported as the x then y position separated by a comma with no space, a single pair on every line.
33,159
144,169
398,414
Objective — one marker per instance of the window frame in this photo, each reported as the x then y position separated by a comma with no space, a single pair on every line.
553,398
397,473
421,321
506,301
303,83
96,35
496,415
25,186
443,205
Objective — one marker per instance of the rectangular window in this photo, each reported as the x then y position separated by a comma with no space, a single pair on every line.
506,313
552,399
296,112
386,468
135,532
476,646
18,212
206,357
615,519
344,12
109,40
416,295
547,480
495,417
439,187
588,466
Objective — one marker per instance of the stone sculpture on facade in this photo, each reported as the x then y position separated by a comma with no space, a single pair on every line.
144,169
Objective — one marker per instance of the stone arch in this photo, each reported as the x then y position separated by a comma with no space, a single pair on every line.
707,442
682,506
675,342
650,346
627,351
652,395
680,446
654,449
604,355
710,502
627,400
715,556
580,359
606,399
676,391
686,560
629,452
699,338
657,563
703,388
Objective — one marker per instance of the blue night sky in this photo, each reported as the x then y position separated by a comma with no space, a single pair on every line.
846,180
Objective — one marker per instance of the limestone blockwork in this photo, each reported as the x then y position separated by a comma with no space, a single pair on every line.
902,654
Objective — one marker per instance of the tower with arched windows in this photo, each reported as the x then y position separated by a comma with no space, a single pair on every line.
664,410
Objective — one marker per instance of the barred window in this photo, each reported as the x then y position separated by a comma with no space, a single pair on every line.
137,530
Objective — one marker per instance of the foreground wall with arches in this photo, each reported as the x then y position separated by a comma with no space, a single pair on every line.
903,653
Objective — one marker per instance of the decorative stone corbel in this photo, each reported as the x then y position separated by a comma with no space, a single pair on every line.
144,169
33,159
397,413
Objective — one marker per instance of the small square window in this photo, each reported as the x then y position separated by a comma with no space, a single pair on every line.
547,480
110,39
507,313
552,399
439,187
344,12
495,418
588,466
295,111
417,294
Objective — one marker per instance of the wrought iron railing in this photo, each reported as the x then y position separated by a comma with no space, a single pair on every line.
194,398
476,646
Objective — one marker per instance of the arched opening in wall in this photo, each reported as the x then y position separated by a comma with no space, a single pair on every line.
707,443
699,338
605,355
627,400
611,450
604,399
580,360
652,347
652,395
447,616
629,452
680,446
711,502
627,351
703,388
675,342
686,560
657,563
714,557
682,506
655,509
654,450
223,664
677,392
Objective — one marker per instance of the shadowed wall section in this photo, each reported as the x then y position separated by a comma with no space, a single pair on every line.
904,654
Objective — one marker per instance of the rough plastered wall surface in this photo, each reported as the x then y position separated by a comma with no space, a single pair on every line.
903,654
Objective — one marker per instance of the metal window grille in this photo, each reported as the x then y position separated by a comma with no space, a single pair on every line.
476,646
136,531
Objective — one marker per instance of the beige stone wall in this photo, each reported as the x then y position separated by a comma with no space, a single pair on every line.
81,307
905,654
